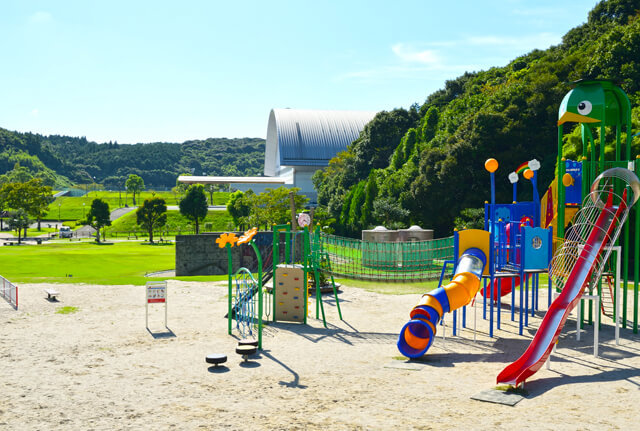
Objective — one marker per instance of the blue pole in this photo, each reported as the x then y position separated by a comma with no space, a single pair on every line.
520,304
526,301
513,298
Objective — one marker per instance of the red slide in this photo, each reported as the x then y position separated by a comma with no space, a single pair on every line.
547,335
501,286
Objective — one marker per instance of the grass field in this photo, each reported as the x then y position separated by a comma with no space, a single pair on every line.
71,208
86,262
176,223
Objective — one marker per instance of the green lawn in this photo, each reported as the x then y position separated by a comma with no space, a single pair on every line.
87,262
176,223
71,208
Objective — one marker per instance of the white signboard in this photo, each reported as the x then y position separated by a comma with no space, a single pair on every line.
156,293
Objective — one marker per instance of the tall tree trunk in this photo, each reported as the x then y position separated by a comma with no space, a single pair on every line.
197,227
150,235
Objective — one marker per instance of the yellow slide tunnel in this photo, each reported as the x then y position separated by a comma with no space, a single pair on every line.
418,334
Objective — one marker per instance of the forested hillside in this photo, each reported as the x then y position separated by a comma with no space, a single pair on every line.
425,165
63,160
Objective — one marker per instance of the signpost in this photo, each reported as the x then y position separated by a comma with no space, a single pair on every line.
156,293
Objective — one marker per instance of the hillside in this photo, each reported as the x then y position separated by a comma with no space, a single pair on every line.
64,160
425,165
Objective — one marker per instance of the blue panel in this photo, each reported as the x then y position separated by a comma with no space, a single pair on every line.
535,248
573,193
503,212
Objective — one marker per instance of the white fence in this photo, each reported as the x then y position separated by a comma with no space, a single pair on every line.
9,291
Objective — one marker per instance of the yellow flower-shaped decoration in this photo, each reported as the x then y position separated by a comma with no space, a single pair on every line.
248,235
227,238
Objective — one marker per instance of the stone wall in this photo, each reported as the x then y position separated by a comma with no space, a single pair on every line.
200,254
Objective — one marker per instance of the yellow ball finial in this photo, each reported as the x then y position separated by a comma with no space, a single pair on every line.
567,180
528,174
491,165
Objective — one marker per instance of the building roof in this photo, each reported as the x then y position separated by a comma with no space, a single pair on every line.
297,137
194,179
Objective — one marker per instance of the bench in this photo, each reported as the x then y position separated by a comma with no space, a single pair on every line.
51,294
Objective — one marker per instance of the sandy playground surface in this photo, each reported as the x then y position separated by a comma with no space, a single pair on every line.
99,368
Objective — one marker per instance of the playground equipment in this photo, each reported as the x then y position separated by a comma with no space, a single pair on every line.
247,348
417,335
291,280
509,248
215,359
245,302
597,104
579,263
521,250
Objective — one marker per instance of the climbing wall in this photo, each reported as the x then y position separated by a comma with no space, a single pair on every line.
289,293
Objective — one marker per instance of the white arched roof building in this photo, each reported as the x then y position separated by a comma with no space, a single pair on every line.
299,142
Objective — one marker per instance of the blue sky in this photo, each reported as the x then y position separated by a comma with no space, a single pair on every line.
147,71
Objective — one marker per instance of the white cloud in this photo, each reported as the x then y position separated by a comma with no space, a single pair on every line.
35,112
40,17
436,59
412,55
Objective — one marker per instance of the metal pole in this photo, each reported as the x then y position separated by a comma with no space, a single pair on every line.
230,293
616,290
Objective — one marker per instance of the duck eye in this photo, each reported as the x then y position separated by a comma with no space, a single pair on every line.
584,107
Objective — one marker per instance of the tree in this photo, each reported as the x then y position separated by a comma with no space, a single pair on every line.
18,221
389,212
239,207
194,205
470,218
32,196
152,215
99,216
210,188
273,206
134,184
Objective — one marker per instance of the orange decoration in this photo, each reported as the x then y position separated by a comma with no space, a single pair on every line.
248,235
227,238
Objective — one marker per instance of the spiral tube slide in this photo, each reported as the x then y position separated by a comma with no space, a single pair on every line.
417,335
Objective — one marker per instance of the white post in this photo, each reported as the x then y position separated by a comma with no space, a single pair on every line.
596,330
618,292
579,309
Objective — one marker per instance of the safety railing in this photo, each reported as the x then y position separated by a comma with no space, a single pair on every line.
9,291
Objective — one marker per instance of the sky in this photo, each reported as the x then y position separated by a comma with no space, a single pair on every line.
172,71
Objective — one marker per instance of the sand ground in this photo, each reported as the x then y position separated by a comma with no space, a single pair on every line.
100,369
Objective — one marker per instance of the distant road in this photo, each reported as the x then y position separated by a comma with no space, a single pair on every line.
119,212
211,207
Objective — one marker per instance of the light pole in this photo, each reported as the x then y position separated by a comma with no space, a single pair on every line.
58,212
82,209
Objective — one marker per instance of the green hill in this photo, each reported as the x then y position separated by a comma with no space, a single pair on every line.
63,160
427,163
